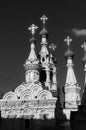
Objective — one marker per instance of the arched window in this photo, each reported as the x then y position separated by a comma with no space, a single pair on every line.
42,75
43,59
51,75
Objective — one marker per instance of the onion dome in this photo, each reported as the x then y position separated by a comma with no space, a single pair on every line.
43,32
32,40
69,53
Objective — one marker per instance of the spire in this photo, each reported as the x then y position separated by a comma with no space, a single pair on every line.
72,89
31,64
70,79
44,33
32,59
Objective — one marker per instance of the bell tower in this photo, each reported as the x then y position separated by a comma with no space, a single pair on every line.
47,59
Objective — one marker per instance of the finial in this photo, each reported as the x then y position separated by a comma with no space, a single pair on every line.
32,28
68,40
52,46
84,46
44,19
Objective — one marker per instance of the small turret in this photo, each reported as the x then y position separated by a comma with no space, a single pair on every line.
70,78
31,64
44,33
72,89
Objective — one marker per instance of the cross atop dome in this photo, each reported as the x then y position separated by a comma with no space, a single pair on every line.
52,46
32,28
68,40
44,19
68,53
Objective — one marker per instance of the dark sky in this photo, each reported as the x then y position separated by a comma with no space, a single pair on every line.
16,17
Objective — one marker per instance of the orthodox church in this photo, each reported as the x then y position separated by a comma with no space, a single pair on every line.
36,98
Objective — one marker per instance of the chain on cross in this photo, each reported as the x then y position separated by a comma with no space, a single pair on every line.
84,46
68,40
32,28
44,19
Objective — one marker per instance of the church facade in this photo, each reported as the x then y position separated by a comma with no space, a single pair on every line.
36,97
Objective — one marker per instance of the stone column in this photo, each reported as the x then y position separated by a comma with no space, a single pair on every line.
54,86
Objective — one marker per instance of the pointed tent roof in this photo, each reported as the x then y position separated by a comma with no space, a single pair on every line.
32,59
44,50
70,78
32,55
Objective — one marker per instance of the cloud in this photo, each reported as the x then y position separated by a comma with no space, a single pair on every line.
79,32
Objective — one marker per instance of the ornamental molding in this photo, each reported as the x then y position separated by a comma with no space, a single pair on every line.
15,105
28,108
10,96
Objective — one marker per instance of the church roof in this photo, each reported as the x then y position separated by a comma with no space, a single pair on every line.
32,56
70,78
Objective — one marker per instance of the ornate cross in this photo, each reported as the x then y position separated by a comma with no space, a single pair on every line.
84,46
68,40
32,28
44,19
52,46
